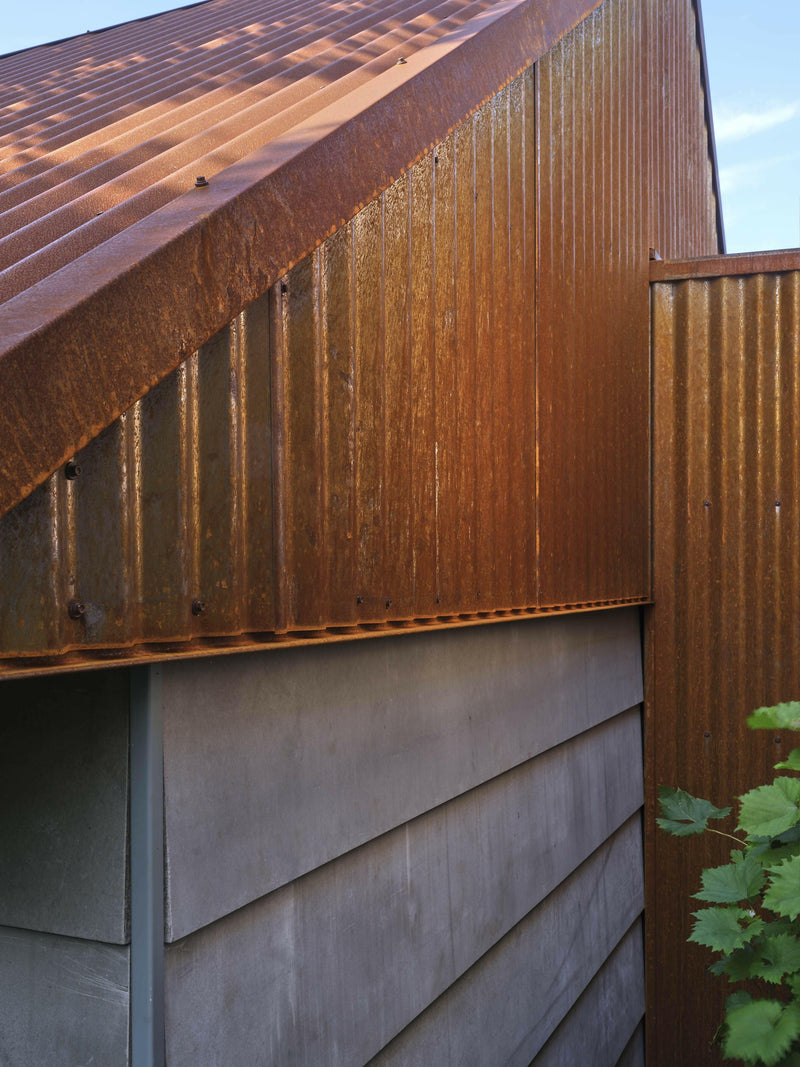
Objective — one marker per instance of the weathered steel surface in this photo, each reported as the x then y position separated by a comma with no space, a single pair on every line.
415,422
355,449
737,265
150,282
724,636
621,171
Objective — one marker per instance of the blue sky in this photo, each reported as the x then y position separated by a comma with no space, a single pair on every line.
754,68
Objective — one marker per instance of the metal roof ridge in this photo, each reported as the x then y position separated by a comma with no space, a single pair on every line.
82,345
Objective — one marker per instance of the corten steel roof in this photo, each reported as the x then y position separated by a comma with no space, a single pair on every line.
115,265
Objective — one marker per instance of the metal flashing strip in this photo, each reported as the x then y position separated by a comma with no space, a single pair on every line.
82,345
87,659
147,869
739,264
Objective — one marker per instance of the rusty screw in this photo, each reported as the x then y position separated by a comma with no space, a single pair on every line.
198,607
200,181
76,609
71,470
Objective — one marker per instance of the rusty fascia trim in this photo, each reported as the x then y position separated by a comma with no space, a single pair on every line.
80,347
712,140
201,648
740,264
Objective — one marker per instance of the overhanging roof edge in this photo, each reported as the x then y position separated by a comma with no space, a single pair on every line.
83,345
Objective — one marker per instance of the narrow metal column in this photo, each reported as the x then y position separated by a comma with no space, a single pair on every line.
147,869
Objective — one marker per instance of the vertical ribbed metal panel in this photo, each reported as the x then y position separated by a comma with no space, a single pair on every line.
624,166
356,447
724,635
405,372
173,505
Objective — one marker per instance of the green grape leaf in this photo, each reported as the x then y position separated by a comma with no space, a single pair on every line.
732,882
721,929
761,1031
768,810
736,999
779,955
779,717
791,763
783,893
738,965
684,814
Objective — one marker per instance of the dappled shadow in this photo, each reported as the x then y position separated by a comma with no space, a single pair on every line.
99,131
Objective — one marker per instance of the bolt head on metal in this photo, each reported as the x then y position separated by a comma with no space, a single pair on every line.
71,470
200,181
198,607
76,609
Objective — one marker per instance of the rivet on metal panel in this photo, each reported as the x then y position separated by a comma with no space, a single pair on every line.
777,505
198,607
706,733
71,469
359,600
76,609
388,603
400,62
706,503
200,181
778,739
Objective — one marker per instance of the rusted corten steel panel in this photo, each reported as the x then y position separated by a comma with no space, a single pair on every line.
112,272
625,166
357,450
723,633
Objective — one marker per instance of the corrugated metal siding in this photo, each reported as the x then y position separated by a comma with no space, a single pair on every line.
380,398
173,505
412,424
724,635
407,405
625,166
100,130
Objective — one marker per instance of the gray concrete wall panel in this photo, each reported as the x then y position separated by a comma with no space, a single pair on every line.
329,969
63,1002
503,1010
599,1027
64,804
275,764
634,1054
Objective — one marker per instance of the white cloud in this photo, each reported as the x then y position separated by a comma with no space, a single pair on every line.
750,175
732,125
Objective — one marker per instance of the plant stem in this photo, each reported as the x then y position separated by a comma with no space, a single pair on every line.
722,833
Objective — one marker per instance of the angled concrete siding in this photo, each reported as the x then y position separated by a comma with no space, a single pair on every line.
372,847
64,955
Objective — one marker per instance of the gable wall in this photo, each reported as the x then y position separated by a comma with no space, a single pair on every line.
441,414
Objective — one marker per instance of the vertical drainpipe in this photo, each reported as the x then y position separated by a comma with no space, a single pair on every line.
147,869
